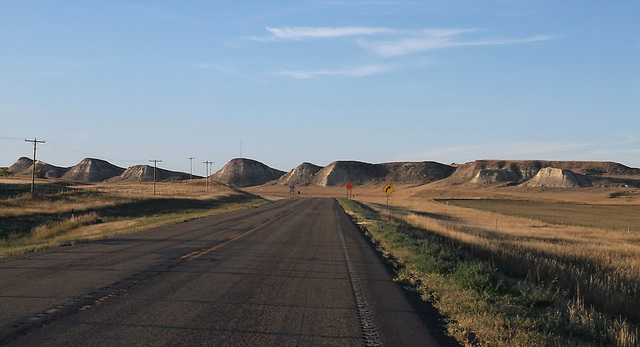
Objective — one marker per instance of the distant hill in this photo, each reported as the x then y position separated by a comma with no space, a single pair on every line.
358,173
526,173
92,170
539,173
302,175
518,171
417,172
145,173
24,166
355,172
495,171
242,172
21,165
97,170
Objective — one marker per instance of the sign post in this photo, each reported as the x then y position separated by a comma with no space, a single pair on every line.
349,192
292,189
388,189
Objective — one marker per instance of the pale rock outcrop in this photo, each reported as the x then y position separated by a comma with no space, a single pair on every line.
557,178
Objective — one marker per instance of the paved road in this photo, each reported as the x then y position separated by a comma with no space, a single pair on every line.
292,273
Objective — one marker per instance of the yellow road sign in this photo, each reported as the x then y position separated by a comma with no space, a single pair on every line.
388,189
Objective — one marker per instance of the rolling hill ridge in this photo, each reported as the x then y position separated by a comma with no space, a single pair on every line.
95,170
243,172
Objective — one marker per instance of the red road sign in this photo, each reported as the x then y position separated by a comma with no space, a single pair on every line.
349,186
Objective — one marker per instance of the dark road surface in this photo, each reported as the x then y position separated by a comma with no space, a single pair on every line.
292,273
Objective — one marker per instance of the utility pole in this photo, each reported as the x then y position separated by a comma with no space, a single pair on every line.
155,164
33,171
211,170
191,170
206,174
208,165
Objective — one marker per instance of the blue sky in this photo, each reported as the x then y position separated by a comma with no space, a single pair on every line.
285,82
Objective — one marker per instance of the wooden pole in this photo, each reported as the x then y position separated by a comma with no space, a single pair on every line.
35,142
155,164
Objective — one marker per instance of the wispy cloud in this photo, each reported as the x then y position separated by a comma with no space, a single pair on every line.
401,41
301,33
386,42
349,72
439,39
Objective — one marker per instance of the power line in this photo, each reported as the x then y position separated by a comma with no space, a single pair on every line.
69,150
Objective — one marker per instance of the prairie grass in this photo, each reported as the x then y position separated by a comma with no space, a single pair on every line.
613,217
45,232
599,266
63,216
513,281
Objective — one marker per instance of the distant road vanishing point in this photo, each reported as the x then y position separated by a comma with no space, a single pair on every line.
293,273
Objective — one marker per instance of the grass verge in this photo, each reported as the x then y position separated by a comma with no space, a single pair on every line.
484,304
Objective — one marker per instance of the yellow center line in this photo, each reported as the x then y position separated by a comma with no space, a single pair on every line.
196,254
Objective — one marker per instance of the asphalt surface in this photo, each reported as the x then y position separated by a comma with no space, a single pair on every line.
293,273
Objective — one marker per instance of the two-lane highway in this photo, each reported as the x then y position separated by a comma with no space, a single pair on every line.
294,273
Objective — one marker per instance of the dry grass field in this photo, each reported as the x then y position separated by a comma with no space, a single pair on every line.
62,212
574,254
